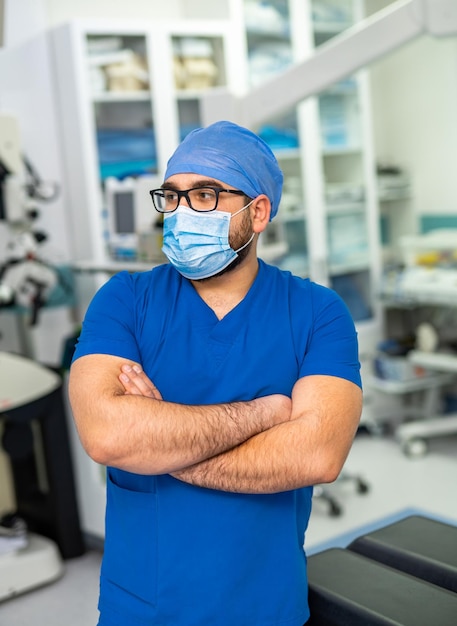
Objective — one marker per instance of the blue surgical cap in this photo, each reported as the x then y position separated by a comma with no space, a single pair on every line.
233,155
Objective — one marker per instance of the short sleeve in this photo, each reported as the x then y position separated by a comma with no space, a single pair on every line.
109,324
331,346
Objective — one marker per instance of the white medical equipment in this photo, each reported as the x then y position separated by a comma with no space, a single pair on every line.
429,279
413,436
131,229
25,279
39,562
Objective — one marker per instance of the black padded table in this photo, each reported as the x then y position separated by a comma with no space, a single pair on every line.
347,589
404,574
417,545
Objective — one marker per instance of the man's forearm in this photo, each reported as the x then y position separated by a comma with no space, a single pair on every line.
306,448
267,463
147,435
309,449
173,436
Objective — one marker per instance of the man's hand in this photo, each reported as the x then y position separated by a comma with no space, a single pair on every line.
136,383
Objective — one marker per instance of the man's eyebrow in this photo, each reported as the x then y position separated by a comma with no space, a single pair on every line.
208,182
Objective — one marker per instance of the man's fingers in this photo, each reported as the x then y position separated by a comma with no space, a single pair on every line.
136,382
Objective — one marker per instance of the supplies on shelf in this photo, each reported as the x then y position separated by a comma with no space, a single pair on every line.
267,60
398,368
292,197
337,194
347,240
126,151
128,74
392,363
266,17
338,13
420,285
281,133
437,248
194,64
339,121
116,65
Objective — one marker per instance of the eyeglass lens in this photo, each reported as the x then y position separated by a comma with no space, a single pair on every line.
199,199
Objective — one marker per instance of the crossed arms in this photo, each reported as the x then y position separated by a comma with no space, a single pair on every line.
266,445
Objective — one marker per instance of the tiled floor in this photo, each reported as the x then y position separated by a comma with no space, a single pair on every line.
396,483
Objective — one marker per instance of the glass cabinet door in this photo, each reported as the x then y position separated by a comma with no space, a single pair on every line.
344,168
321,229
198,65
119,86
270,51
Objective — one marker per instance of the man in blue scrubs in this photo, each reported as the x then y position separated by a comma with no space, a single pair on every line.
217,390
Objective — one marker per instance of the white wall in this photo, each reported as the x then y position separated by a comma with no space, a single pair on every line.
58,11
414,94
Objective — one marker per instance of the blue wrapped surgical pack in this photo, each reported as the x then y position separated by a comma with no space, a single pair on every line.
232,154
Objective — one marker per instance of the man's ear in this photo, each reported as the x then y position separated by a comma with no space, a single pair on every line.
261,213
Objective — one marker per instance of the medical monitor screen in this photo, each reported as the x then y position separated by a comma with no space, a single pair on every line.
124,212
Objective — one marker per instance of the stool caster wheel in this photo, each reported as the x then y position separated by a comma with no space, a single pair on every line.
335,510
362,486
415,448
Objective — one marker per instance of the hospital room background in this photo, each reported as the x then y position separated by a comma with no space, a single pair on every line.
94,96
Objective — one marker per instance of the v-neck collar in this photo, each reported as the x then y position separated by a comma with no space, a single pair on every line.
204,313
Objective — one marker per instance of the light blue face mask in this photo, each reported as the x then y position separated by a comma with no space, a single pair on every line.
197,244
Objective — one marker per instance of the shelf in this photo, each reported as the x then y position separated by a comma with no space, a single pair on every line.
269,35
394,196
345,208
440,361
330,28
407,386
349,267
283,154
122,96
345,88
112,267
194,94
343,151
418,285
292,216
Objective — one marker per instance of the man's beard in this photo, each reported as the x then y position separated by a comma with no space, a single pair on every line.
238,240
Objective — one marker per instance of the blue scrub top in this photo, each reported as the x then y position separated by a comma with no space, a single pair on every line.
186,556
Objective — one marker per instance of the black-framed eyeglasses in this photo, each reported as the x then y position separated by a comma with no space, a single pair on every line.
198,198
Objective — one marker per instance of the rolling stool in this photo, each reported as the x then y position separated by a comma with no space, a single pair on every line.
334,507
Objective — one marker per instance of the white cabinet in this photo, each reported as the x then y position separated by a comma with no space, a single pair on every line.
195,57
127,93
328,219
